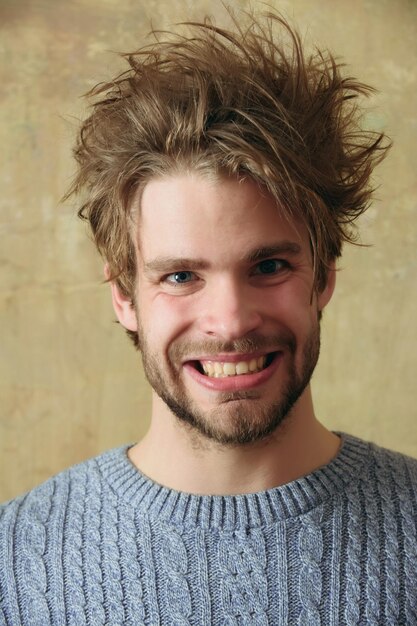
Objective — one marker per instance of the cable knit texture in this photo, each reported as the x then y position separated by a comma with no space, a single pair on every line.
101,544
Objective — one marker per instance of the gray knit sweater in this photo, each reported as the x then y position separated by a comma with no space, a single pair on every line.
102,544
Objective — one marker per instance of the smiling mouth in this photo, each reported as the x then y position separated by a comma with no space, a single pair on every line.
224,369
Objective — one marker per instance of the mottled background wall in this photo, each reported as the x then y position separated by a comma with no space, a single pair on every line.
70,384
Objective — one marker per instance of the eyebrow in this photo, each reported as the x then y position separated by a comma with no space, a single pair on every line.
286,248
164,264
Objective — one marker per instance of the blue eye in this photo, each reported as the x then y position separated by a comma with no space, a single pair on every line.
179,278
270,266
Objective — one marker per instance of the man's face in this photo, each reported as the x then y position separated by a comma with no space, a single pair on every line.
228,326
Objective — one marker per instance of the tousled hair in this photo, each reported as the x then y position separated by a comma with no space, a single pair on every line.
249,103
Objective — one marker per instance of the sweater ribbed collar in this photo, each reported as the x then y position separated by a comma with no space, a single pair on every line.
232,512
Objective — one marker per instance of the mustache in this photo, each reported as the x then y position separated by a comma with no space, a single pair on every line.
252,343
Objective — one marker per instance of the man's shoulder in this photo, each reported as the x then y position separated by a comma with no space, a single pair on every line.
396,461
394,470
55,492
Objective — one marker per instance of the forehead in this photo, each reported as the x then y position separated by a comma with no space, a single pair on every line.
185,214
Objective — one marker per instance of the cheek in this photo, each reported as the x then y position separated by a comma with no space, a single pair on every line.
296,311
163,318
289,302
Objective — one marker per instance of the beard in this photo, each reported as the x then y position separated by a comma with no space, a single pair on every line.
241,417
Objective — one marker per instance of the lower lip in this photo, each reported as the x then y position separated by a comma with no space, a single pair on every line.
235,383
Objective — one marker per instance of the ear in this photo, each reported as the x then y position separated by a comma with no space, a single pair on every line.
122,304
325,295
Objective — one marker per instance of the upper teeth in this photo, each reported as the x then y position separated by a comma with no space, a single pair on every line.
218,369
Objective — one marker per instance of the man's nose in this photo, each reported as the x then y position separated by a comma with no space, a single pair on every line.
230,311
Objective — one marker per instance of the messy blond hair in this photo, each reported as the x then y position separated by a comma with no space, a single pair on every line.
248,103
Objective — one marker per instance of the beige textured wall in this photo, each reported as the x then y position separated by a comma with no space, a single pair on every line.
70,384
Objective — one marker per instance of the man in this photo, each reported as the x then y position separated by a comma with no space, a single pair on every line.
221,175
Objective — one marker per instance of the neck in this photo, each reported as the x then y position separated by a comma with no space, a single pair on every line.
180,460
